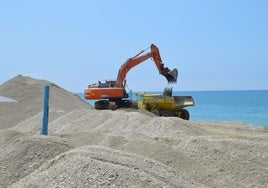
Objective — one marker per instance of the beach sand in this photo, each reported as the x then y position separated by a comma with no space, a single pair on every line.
90,148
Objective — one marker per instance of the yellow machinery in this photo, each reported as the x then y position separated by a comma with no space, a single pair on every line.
166,104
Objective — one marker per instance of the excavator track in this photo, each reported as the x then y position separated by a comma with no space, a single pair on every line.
105,105
114,104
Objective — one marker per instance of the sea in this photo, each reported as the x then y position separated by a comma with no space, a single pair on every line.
246,106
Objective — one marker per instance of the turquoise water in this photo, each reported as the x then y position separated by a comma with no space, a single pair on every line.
249,107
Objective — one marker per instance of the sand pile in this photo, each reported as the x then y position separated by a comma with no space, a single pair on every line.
90,148
29,94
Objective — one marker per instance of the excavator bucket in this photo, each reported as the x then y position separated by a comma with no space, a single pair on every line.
171,76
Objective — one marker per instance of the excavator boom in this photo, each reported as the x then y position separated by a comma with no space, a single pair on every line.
171,76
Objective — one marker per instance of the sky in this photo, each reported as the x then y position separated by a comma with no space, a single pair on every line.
215,45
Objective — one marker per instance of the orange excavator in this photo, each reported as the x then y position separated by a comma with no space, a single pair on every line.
111,94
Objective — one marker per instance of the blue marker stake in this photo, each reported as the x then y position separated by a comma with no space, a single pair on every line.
45,111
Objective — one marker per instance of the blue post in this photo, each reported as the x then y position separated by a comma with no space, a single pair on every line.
45,111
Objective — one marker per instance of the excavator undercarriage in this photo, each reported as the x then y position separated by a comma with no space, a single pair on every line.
114,104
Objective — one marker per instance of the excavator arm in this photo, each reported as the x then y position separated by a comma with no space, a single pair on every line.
171,76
